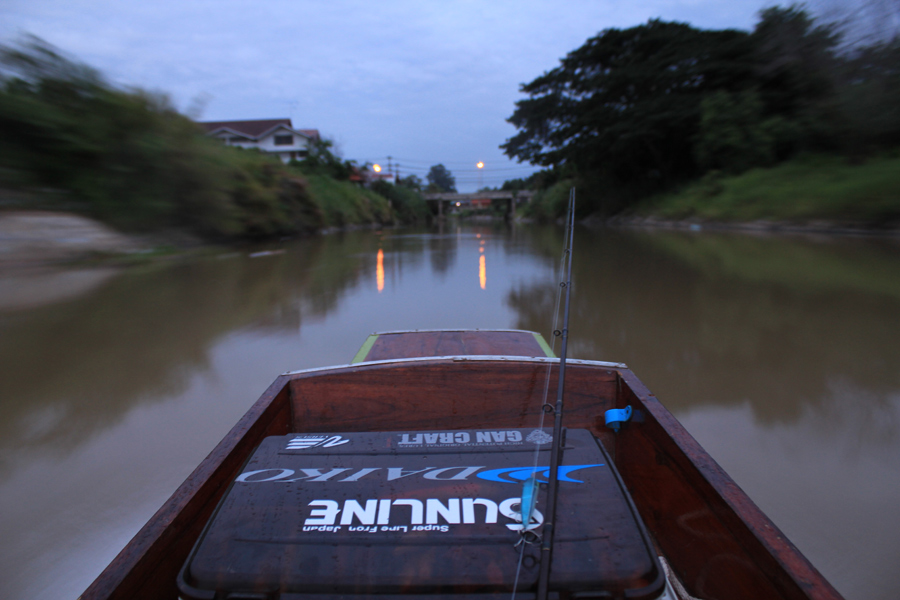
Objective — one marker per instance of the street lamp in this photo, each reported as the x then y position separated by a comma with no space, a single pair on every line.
480,166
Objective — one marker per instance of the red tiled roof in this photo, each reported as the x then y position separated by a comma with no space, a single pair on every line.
256,128
250,128
312,133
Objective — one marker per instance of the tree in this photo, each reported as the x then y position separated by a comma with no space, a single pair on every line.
127,157
795,59
323,160
413,182
795,76
626,104
440,179
733,136
869,97
408,204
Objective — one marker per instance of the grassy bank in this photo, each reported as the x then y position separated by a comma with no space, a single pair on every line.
343,203
805,189
71,141
549,204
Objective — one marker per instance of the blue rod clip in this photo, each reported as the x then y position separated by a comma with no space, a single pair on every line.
616,416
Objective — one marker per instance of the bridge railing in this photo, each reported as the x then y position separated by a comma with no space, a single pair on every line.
453,196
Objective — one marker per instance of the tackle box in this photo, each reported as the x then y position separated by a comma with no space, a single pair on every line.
420,513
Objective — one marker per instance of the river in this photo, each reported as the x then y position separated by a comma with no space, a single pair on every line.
779,354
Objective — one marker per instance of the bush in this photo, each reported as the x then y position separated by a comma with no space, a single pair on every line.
550,204
347,204
807,188
733,136
128,158
408,204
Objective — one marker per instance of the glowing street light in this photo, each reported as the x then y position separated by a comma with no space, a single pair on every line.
480,166
376,168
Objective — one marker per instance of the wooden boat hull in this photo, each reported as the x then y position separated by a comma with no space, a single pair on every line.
715,539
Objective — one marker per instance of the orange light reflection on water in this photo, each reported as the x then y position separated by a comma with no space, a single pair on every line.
379,270
482,273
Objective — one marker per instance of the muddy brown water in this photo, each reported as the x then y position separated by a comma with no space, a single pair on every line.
779,354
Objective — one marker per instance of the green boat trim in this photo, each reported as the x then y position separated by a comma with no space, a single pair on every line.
364,351
543,343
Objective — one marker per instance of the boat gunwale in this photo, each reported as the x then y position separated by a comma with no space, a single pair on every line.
722,492
140,559
400,331
137,561
504,358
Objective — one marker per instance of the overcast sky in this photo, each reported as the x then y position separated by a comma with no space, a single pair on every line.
424,82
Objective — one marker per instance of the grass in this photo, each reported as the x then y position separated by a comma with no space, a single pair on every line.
549,204
345,203
805,189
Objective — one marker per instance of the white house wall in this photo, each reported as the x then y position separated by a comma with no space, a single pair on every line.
267,144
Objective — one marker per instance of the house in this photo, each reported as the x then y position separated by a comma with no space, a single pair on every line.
275,136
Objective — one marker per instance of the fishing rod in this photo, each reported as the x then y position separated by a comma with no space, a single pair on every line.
556,449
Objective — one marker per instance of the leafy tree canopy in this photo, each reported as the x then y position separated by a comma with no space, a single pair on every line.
627,102
637,110
324,161
795,59
440,179
413,182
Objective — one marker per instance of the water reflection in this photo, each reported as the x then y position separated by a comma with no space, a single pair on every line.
775,336
482,272
778,354
442,249
31,288
75,366
379,271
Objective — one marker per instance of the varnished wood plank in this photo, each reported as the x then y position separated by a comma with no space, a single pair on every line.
716,539
417,344
446,394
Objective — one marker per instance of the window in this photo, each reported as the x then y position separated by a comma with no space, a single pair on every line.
284,140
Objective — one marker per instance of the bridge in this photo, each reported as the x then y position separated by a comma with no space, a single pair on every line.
481,199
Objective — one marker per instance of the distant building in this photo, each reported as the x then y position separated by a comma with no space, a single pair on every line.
275,136
372,177
368,176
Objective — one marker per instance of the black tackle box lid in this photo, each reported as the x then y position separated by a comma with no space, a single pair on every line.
418,513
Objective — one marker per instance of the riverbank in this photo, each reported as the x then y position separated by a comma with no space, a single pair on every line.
759,227
812,193
47,257
43,239
31,238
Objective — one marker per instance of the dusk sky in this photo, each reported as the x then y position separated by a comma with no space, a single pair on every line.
423,82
